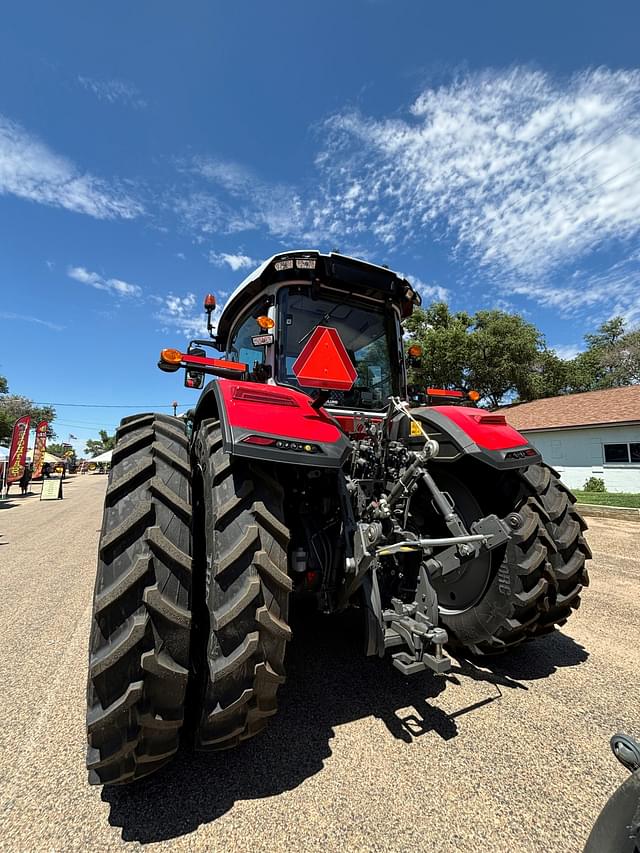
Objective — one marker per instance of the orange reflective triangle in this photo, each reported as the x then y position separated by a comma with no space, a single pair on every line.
324,362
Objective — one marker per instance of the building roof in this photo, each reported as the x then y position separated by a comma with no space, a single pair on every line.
613,406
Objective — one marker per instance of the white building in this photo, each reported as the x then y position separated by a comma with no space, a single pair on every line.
595,434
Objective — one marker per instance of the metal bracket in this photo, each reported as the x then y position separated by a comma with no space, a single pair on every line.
491,532
415,625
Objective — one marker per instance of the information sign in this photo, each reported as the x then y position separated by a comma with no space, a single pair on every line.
51,490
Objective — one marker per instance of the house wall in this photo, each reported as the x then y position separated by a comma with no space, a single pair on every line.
577,455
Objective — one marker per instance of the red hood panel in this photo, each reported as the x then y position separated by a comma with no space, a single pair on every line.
299,420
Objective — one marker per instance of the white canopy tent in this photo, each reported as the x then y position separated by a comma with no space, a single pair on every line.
104,457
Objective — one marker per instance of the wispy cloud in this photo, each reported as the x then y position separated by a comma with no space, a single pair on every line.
520,171
30,170
8,315
429,292
114,91
184,314
239,200
114,286
566,351
602,294
235,262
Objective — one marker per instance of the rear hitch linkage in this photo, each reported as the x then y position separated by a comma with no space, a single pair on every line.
415,625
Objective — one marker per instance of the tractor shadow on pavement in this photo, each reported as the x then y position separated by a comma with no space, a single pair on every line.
329,683
528,662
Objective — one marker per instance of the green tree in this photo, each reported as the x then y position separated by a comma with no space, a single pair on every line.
549,376
97,446
55,449
444,338
494,352
14,406
504,349
611,359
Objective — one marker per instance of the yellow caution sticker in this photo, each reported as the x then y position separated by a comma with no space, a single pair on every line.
415,428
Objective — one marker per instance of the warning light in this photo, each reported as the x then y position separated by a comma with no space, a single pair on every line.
474,396
266,322
171,356
324,362
415,351
209,302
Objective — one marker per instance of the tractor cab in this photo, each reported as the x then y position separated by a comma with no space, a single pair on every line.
328,325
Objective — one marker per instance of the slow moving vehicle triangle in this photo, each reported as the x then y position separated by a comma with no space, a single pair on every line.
324,362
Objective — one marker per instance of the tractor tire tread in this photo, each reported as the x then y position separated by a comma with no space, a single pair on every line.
247,594
141,623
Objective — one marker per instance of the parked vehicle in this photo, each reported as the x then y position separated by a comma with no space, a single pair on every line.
303,471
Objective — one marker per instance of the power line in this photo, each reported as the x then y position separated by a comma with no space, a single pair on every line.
112,405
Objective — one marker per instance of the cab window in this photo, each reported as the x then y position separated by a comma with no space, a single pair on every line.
241,347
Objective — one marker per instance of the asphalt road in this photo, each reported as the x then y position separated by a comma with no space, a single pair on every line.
512,756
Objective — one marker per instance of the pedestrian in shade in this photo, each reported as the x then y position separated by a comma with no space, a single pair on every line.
25,479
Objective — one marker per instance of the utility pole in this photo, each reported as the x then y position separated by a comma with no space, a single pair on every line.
175,407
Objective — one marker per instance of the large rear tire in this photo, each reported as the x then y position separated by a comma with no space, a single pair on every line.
534,584
140,630
246,588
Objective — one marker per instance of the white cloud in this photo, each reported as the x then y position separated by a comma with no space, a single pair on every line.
8,315
235,262
566,351
184,314
115,286
599,295
429,292
519,170
114,91
30,170
243,201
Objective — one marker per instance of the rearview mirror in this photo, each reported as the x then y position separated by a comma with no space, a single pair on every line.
194,378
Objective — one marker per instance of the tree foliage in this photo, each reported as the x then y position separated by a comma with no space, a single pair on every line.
14,406
55,449
95,447
494,352
611,359
506,358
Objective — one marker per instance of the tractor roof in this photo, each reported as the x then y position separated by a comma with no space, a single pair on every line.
339,271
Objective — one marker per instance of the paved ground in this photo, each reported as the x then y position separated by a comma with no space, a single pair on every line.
511,758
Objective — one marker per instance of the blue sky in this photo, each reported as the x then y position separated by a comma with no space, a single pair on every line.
153,151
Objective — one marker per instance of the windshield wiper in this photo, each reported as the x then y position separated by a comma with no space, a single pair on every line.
323,319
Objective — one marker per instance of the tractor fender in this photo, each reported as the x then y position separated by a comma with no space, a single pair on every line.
465,431
272,423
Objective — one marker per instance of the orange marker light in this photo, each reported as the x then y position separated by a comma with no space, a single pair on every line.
171,356
474,396
415,351
266,322
209,302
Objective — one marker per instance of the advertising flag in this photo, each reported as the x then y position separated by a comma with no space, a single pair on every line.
39,448
18,449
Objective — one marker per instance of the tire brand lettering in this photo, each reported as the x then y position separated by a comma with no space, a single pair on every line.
504,580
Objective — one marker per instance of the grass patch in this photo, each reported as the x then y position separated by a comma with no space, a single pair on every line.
608,498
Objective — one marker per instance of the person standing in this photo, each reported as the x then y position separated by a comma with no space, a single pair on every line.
25,479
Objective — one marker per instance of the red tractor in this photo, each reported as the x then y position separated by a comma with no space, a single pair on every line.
303,471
